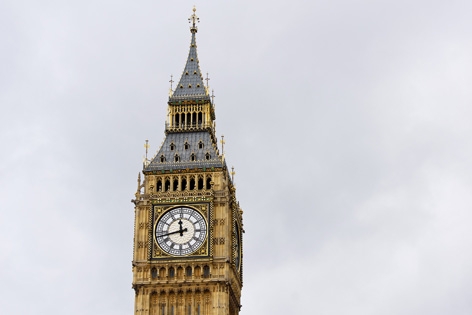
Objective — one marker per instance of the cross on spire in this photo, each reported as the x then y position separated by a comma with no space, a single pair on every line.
171,81
194,19
213,97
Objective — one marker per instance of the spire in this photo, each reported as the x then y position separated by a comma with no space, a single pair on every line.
190,86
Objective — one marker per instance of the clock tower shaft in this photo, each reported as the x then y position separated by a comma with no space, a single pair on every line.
187,254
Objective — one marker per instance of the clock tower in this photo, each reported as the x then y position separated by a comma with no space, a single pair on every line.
187,255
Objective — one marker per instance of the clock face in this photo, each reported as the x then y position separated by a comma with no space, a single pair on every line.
181,231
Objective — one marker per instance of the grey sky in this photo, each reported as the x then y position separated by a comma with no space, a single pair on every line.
348,123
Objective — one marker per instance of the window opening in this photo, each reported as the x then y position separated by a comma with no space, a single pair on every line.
192,157
200,145
159,185
207,156
184,184
200,183
200,118
176,158
192,183
188,271
206,272
162,273
171,272
186,146
208,183
154,273
167,185
176,185
172,147
163,158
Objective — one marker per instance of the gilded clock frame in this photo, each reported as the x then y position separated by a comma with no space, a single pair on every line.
157,210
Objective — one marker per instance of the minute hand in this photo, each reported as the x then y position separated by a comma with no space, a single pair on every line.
175,232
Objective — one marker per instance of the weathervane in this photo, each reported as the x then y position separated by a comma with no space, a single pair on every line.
194,20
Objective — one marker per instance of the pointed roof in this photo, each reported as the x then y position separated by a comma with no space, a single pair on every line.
182,151
191,86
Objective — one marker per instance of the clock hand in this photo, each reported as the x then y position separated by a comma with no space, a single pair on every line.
175,232
168,234
180,228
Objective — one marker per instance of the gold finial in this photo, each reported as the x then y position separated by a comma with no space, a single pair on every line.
223,144
145,160
194,20
232,174
207,79
171,81
138,191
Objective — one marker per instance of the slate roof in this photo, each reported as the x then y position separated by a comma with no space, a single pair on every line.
179,140
191,85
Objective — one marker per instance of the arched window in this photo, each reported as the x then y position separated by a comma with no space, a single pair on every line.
200,145
172,147
162,273
159,185
177,120
198,271
192,157
188,119
154,272
175,185
192,183
186,146
184,184
200,118
167,185
208,183
163,158
171,272
180,273
188,271
207,156
206,272
194,119
176,158
200,183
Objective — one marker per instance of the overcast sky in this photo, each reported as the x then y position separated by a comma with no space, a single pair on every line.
348,124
